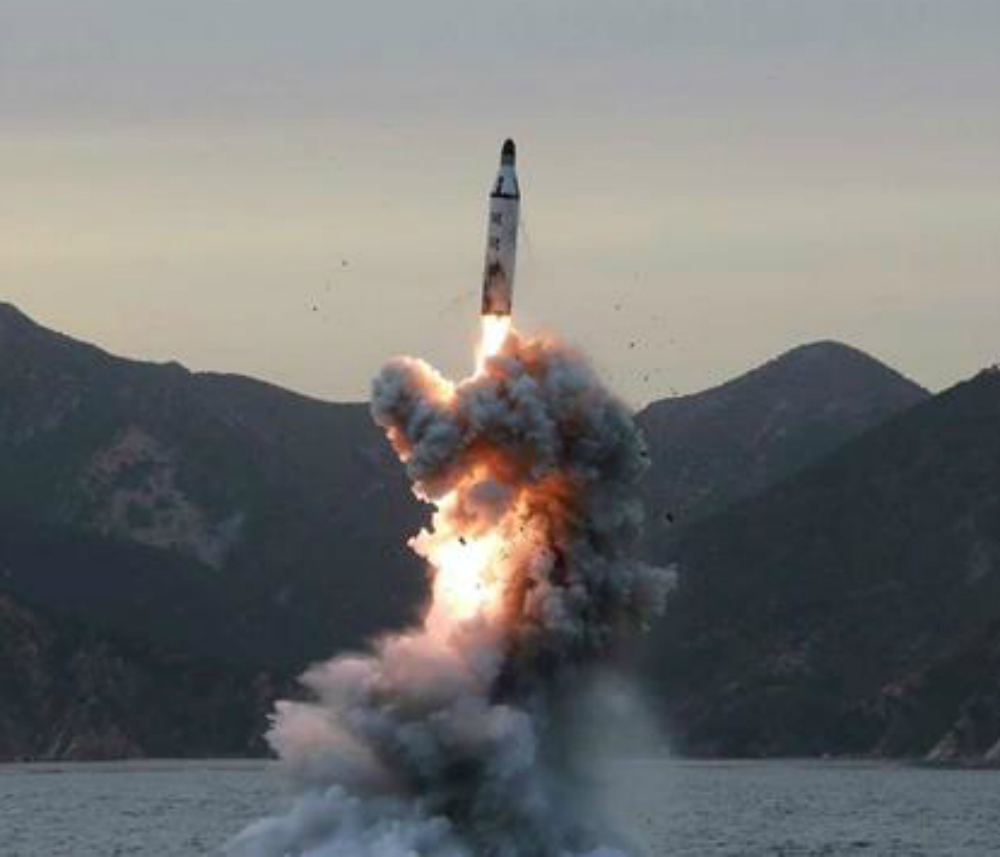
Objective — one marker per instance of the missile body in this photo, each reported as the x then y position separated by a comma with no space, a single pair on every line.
501,237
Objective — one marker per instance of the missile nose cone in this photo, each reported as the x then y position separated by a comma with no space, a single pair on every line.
508,152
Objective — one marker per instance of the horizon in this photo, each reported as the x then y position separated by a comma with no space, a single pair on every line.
636,406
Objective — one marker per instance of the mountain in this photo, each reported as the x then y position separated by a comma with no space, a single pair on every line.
67,692
152,516
248,522
715,447
853,608
261,513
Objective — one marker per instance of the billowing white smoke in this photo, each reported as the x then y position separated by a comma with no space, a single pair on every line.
445,740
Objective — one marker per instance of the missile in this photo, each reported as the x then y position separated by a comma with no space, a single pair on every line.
501,237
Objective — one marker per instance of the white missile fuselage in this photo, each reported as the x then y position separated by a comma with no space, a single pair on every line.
501,237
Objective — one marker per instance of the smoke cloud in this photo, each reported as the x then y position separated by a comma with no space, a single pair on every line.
448,740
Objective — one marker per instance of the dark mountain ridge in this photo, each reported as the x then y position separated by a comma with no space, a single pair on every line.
732,441
69,692
231,477
275,522
221,519
822,616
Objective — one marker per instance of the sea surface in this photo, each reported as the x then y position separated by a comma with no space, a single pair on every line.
695,809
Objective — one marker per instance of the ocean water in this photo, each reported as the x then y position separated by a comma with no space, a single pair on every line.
694,809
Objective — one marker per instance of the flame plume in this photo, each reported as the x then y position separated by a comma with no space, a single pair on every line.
494,333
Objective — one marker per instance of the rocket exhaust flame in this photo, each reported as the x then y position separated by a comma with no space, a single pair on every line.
440,741
494,334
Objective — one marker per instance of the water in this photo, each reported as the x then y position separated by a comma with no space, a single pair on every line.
687,809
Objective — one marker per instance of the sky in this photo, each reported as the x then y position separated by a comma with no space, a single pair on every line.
297,191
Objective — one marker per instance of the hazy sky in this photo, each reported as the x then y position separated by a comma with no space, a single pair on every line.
706,182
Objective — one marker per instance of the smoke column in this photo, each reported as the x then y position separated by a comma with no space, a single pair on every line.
445,740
